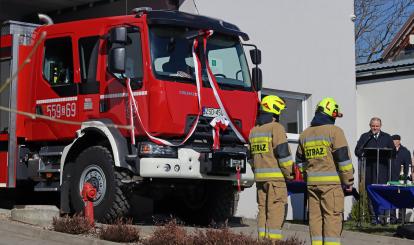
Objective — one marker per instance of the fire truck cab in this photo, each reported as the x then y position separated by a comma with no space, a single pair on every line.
127,103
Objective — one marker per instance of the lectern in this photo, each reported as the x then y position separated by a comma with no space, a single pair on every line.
372,162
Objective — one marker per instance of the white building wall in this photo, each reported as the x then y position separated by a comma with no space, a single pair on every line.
391,100
307,47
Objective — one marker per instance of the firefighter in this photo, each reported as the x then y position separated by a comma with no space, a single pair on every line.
323,156
272,164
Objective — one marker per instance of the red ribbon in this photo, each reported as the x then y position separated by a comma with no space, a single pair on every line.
238,178
218,123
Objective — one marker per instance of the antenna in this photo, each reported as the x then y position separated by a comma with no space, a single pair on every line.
195,5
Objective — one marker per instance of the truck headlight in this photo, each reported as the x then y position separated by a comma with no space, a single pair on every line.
149,149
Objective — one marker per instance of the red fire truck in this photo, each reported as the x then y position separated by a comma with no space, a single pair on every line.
156,103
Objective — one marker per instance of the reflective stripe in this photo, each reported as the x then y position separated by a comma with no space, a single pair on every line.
261,232
274,236
332,241
268,175
275,231
266,170
316,143
285,159
317,138
262,173
285,162
323,177
260,139
252,135
345,165
322,174
317,242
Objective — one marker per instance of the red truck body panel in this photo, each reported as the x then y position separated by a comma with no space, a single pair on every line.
163,108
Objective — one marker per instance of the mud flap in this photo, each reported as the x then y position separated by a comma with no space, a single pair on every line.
64,190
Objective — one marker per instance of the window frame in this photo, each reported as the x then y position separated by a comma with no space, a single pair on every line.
72,59
292,137
136,83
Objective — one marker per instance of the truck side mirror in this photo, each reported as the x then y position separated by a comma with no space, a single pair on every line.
257,78
256,56
118,35
116,61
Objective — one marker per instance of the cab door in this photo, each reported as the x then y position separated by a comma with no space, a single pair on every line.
114,97
56,90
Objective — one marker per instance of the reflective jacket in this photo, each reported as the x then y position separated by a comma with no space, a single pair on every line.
323,156
272,160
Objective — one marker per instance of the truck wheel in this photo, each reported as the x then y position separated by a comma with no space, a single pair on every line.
211,203
96,166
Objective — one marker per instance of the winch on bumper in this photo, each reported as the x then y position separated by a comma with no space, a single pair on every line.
190,164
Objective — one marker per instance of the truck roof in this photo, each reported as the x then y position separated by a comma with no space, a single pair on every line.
159,17
197,21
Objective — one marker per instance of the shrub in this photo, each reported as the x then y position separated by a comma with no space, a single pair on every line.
173,234
169,234
72,225
225,236
120,231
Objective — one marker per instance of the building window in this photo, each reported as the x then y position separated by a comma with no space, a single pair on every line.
293,118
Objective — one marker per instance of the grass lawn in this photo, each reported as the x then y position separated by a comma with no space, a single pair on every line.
386,230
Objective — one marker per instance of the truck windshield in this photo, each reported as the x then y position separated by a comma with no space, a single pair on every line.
172,59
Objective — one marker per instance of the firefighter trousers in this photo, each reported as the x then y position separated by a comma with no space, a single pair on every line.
326,208
271,200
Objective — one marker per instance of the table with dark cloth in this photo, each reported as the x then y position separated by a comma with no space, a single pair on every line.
386,197
295,187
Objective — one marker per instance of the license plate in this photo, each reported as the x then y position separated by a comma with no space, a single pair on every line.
236,162
212,112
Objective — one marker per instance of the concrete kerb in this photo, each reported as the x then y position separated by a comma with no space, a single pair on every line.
41,233
41,215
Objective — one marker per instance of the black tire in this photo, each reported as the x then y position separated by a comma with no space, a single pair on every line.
96,166
218,204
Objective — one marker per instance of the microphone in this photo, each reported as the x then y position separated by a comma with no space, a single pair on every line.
361,149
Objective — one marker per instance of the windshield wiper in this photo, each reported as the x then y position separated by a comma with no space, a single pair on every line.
228,86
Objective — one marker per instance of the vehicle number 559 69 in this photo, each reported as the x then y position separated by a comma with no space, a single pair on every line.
61,110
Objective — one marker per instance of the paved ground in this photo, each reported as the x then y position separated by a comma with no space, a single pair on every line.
17,233
12,232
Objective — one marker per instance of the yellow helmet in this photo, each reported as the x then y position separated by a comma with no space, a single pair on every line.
273,104
329,106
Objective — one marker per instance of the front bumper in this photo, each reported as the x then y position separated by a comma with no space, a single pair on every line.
190,164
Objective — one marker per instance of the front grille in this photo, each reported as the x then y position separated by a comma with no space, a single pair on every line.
204,130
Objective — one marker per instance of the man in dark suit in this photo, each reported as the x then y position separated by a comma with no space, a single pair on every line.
402,158
374,138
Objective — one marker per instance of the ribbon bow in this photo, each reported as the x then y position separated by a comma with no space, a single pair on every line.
218,123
